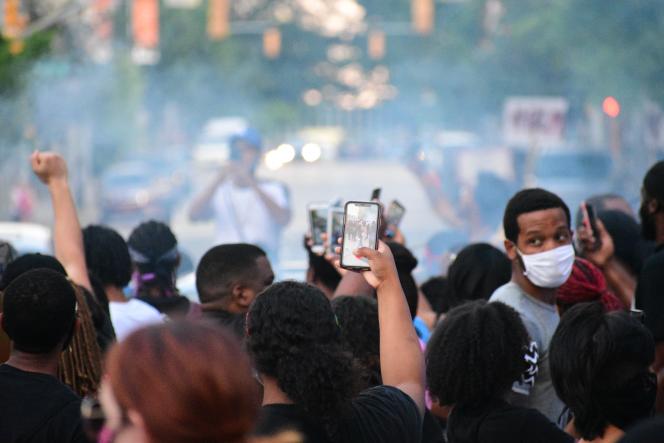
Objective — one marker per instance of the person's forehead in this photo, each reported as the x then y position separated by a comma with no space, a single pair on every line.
542,219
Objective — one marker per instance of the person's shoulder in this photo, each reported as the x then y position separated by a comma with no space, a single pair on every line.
389,403
509,293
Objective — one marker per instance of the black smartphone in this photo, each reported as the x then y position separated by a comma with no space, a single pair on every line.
375,194
335,227
590,223
317,225
361,225
395,213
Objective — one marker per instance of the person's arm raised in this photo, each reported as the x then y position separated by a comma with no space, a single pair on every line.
51,169
200,207
401,359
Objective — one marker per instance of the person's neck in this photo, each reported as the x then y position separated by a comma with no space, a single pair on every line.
545,295
221,304
272,394
612,434
40,363
113,293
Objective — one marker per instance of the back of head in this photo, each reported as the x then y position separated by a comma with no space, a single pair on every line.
653,182
529,200
477,271
360,332
600,368
323,271
649,431
293,336
27,263
224,265
630,248
192,383
154,251
406,263
435,292
39,311
107,256
460,369
7,255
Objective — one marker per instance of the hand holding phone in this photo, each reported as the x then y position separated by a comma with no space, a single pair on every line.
590,224
381,265
335,228
361,225
318,214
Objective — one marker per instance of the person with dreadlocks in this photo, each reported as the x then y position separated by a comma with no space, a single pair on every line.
153,249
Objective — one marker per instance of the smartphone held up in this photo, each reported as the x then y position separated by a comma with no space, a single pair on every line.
318,215
360,230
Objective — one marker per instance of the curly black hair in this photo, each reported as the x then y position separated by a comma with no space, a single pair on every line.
107,256
463,352
530,200
358,320
152,247
293,336
39,308
600,368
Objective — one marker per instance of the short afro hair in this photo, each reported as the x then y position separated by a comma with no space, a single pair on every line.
107,256
39,310
600,368
224,265
461,355
27,263
406,263
530,200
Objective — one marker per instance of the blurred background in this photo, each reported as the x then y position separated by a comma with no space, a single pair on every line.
472,98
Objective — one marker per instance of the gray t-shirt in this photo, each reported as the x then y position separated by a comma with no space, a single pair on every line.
541,320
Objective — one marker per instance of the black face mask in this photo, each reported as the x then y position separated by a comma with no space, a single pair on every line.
647,222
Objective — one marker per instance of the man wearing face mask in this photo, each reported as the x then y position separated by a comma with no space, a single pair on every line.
246,209
650,287
539,245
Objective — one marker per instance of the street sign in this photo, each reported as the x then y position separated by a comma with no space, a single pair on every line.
534,121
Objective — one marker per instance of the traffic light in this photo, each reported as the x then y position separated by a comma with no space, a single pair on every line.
611,107
423,14
376,45
218,25
272,43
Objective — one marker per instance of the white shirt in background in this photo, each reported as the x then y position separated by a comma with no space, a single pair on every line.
131,315
242,217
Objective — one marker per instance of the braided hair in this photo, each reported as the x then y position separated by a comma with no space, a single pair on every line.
153,250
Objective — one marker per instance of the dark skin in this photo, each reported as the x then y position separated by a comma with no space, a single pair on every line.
539,231
241,294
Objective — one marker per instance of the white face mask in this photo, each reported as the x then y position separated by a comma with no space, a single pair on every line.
549,269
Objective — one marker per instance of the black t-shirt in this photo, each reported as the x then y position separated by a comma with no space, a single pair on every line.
37,408
379,414
650,293
498,421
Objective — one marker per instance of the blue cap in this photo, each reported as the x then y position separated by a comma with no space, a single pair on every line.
249,136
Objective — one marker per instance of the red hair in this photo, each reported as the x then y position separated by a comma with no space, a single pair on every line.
190,382
586,284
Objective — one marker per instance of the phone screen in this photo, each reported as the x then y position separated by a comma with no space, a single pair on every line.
335,227
361,223
318,222
395,213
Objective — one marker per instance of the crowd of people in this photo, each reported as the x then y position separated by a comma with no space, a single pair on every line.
558,338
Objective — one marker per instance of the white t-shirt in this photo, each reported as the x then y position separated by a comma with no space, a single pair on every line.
131,315
242,217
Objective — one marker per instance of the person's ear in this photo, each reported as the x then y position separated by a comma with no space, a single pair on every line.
653,206
511,250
